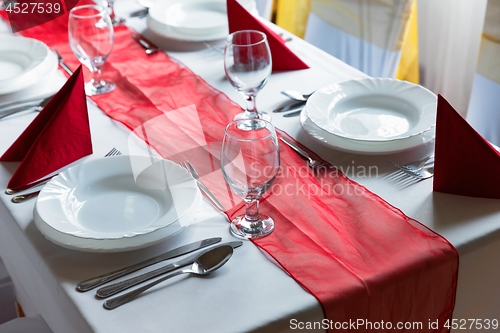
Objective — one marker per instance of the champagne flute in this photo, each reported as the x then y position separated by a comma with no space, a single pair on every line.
247,63
91,39
250,161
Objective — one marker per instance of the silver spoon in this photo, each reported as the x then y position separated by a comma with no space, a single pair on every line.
206,263
296,95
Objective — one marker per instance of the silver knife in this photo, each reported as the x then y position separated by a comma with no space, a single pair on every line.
299,150
291,107
102,279
123,285
140,13
42,181
148,46
293,114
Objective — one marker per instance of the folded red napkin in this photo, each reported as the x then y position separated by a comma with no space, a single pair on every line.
465,163
283,58
58,136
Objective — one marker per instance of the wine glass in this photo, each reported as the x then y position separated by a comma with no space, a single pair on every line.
111,10
91,38
250,161
247,63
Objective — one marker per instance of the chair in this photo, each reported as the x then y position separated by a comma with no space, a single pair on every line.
369,35
484,105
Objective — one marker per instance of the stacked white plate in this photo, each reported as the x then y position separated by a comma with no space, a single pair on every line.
371,116
23,62
117,204
192,20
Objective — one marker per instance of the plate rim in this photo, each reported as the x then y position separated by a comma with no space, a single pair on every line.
54,181
41,70
167,31
377,80
365,151
109,245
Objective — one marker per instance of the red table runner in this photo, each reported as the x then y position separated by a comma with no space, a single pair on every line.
370,266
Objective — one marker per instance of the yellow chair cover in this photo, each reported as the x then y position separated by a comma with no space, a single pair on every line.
292,15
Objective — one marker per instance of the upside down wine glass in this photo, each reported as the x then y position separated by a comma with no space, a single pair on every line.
91,38
250,161
247,63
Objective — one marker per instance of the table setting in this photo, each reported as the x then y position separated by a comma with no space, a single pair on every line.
149,187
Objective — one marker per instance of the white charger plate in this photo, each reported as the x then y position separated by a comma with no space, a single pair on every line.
116,204
373,109
23,62
363,147
192,20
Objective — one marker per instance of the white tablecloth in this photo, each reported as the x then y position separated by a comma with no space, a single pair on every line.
250,293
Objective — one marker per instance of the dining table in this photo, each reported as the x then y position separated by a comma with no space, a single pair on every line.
251,293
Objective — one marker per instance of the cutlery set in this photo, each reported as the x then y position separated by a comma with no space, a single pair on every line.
200,263
32,105
294,109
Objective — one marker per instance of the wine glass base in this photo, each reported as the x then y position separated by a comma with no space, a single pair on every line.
102,88
242,228
251,125
116,21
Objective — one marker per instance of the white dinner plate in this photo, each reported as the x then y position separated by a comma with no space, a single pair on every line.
192,20
363,147
116,204
23,62
373,109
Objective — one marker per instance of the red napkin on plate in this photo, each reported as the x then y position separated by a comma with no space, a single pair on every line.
465,163
58,136
283,58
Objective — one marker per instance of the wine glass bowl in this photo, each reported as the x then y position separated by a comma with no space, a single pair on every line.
91,38
250,162
248,64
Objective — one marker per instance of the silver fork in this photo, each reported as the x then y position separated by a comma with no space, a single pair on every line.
414,166
424,173
202,186
27,196
310,161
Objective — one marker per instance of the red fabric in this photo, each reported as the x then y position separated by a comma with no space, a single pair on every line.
58,136
360,257
464,163
283,58
26,14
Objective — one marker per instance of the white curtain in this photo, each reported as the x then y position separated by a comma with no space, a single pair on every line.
449,39
264,7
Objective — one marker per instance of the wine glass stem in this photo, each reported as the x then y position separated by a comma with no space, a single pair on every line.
251,106
96,77
252,208
111,8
